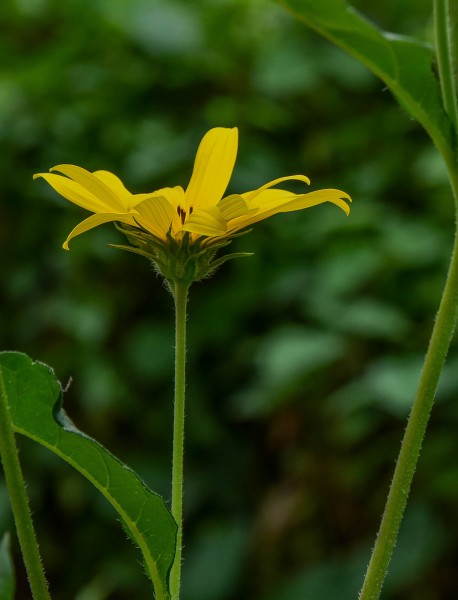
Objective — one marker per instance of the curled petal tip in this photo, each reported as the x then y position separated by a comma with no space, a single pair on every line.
343,200
344,206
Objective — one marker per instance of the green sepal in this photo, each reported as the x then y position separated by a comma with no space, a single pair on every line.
184,259
217,263
132,249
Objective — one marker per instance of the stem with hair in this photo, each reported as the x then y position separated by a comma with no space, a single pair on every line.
19,502
439,344
180,294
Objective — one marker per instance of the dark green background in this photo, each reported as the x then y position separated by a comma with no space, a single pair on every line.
303,359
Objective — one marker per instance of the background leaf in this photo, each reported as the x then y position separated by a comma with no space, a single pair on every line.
404,64
34,396
7,583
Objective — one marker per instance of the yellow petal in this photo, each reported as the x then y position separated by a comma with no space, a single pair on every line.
233,207
175,196
317,197
73,191
94,185
213,168
268,199
117,187
156,215
205,221
251,196
95,221
276,201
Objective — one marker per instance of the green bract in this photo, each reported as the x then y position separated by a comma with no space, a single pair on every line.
178,260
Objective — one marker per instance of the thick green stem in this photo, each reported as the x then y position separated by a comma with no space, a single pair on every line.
19,502
439,344
414,434
180,294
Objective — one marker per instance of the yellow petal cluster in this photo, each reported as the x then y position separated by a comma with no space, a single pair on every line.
201,209
181,230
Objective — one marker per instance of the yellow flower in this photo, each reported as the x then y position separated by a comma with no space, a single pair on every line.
199,217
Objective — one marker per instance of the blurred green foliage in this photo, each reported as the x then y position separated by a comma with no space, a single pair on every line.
303,359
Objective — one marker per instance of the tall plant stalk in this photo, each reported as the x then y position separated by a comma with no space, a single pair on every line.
441,338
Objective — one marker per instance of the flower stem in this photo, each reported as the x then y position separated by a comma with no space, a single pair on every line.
180,294
439,344
19,502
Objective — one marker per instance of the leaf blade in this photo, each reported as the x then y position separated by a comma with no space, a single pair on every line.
404,64
35,402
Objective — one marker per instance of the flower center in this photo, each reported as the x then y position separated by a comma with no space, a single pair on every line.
183,214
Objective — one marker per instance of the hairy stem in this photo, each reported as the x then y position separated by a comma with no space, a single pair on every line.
414,434
19,502
439,344
180,293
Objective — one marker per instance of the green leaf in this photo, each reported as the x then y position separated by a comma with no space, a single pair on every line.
7,583
34,397
404,64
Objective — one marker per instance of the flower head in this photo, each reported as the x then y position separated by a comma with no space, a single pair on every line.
173,225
